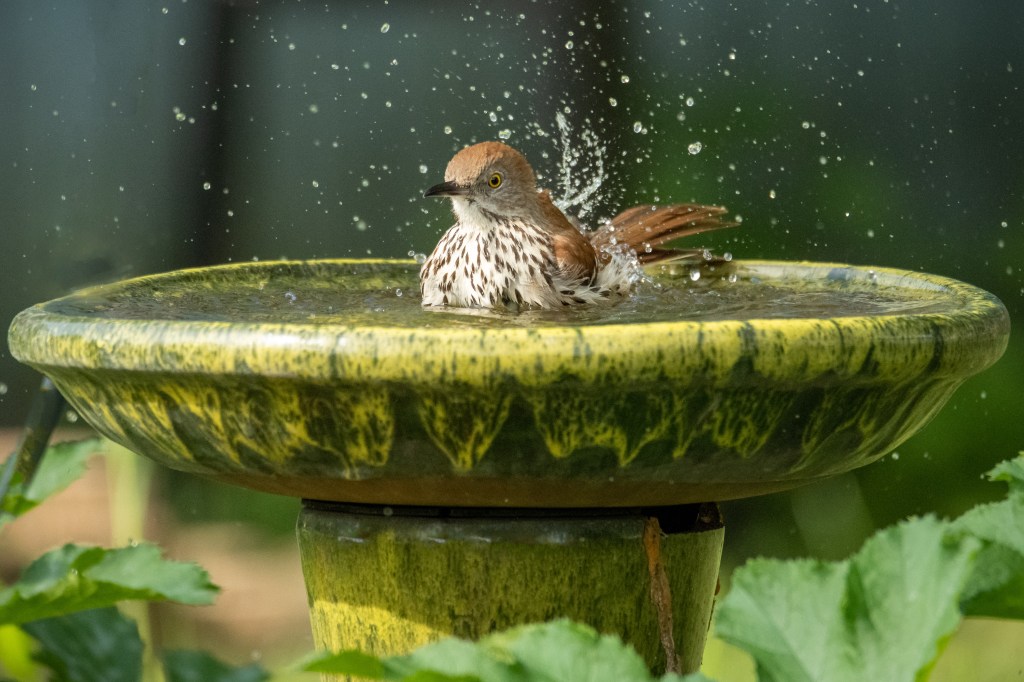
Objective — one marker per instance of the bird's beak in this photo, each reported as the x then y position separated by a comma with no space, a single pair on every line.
446,189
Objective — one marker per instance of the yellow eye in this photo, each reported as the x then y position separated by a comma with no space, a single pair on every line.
494,182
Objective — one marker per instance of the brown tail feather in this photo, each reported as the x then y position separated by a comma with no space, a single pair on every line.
646,227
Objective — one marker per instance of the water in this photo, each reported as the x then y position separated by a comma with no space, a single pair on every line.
387,294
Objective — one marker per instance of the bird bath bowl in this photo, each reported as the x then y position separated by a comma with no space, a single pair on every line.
469,471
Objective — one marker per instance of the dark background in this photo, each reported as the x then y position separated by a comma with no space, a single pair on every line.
140,136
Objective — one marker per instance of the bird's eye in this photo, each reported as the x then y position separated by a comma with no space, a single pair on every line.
494,182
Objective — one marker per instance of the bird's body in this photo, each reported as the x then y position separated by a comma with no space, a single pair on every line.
511,247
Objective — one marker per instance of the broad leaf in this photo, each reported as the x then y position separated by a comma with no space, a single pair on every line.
76,578
548,652
100,645
1012,472
786,614
903,599
199,666
563,650
60,466
884,614
996,587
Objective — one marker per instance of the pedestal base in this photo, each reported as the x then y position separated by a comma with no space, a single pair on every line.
389,579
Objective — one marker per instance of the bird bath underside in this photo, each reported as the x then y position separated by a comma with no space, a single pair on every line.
327,380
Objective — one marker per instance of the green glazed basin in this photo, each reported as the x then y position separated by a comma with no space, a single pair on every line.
327,380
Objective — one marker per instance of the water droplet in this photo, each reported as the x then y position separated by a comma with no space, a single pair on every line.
568,45
612,101
624,78
207,185
335,66
493,117
695,274
316,183
823,160
3,388
181,41
314,109
71,416
637,127
290,297
689,101
398,293
694,148
771,194
423,169
420,258
727,257
447,130
385,27
504,134
805,125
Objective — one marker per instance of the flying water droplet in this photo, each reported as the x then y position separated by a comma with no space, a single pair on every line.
694,148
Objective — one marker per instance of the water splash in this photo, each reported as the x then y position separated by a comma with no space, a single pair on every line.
581,168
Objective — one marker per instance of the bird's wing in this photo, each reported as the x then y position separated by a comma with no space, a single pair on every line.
574,253
643,228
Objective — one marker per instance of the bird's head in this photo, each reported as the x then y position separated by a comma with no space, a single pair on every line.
488,178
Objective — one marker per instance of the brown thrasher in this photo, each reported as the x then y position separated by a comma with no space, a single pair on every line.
511,247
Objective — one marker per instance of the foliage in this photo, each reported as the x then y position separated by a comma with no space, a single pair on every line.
887,612
560,650
100,645
61,466
75,578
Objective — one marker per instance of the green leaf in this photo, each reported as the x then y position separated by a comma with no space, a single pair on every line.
1012,472
75,578
547,652
996,587
563,650
884,614
904,598
355,663
456,659
199,666
787,615
99,645
61,465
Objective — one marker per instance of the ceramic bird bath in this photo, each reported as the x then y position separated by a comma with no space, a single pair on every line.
465,472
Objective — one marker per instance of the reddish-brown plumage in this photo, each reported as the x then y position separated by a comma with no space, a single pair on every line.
512,247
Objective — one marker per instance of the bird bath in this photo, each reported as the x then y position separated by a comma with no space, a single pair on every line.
463,472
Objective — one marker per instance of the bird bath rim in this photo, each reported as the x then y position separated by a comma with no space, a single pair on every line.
514,341
644,414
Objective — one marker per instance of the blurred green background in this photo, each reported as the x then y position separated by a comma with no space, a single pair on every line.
142,136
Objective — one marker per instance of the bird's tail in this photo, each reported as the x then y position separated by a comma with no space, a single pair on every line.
645,228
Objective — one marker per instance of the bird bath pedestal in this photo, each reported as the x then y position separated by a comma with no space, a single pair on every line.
466,472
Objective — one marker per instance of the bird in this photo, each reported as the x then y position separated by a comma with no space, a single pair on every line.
512,248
